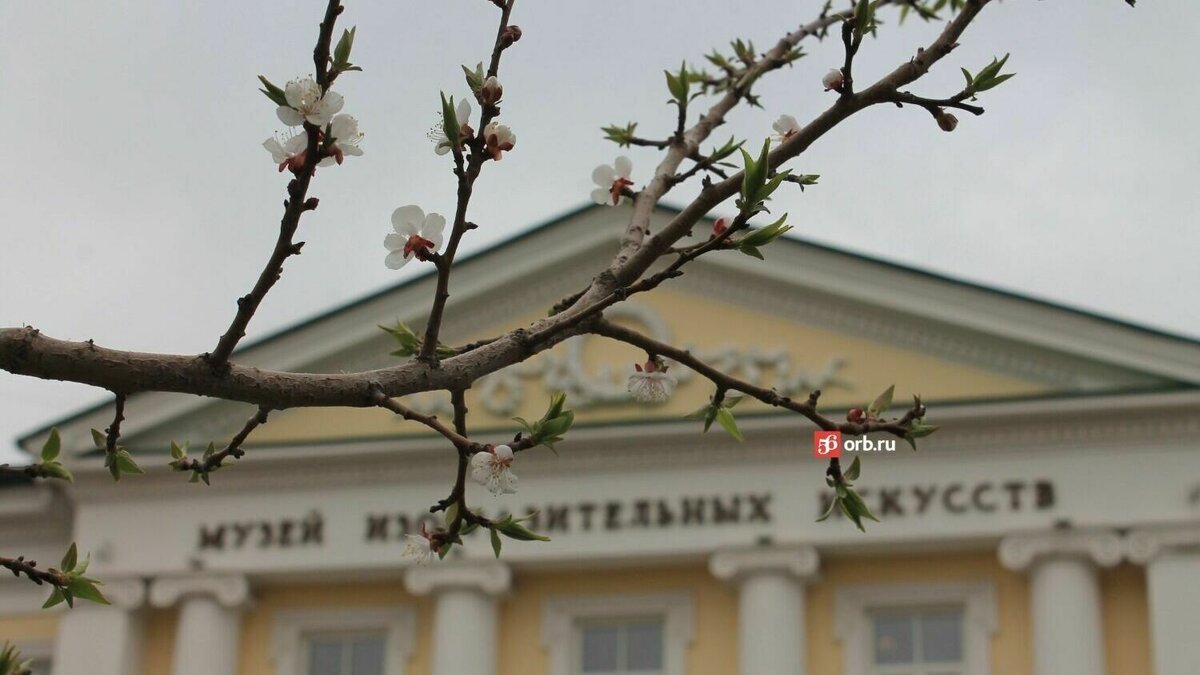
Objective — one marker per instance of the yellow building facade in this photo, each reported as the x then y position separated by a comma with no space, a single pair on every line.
1051,527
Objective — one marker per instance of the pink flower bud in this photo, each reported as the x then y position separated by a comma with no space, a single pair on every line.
491,91
834,80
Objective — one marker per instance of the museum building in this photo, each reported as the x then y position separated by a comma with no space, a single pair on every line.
1051,527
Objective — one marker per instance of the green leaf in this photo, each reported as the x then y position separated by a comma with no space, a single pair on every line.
727,422
474,77
272,92
882,402
451,512
851,474
513,529
557,401
177,452
99,439
69,560
341,53
52,446
408,341
126,464
450,123
210,450
496,542
833,504
56,597
57,470
83,587
622,136
677,85
856,509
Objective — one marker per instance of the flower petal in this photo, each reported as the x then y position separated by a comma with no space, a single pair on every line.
408,219
289,116
462,112
624,166
274,147
604,175
433,225
481,467
331,103
602,197
395,260
395,242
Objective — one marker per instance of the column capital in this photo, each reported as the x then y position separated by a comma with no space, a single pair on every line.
230,590
1144,544
736,564
489,577
1102,547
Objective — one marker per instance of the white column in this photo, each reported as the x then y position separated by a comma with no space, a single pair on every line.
1068,638
1172,559
465,605
103,639
210,618
771,611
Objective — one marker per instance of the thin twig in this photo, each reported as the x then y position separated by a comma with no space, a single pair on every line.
295,206
726,382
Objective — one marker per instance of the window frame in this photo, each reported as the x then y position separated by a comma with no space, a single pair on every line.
398,625
563,616
855,606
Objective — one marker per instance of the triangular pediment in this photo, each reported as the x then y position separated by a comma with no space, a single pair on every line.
806,318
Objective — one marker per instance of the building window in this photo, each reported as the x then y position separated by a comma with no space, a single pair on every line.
618,635
917,641
607,647
345,641
345,653
933,629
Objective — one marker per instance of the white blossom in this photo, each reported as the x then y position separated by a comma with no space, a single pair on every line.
611,181
437,134
785,127
492,468
419,548
306,104
344,138
651,383
288,150
416,235
499,139
833,79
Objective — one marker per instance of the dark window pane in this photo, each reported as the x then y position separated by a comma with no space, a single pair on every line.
893,639
366,656
599,649
644,646
941,637
325,657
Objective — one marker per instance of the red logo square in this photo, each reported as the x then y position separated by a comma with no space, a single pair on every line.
827,444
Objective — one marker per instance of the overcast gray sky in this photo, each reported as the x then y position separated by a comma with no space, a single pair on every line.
136,202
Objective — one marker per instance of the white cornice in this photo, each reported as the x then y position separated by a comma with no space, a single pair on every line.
488,577
230,590
737,564
1144,544
1103,547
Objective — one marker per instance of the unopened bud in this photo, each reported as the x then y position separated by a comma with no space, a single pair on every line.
945,120
834,79
491,91
509,36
